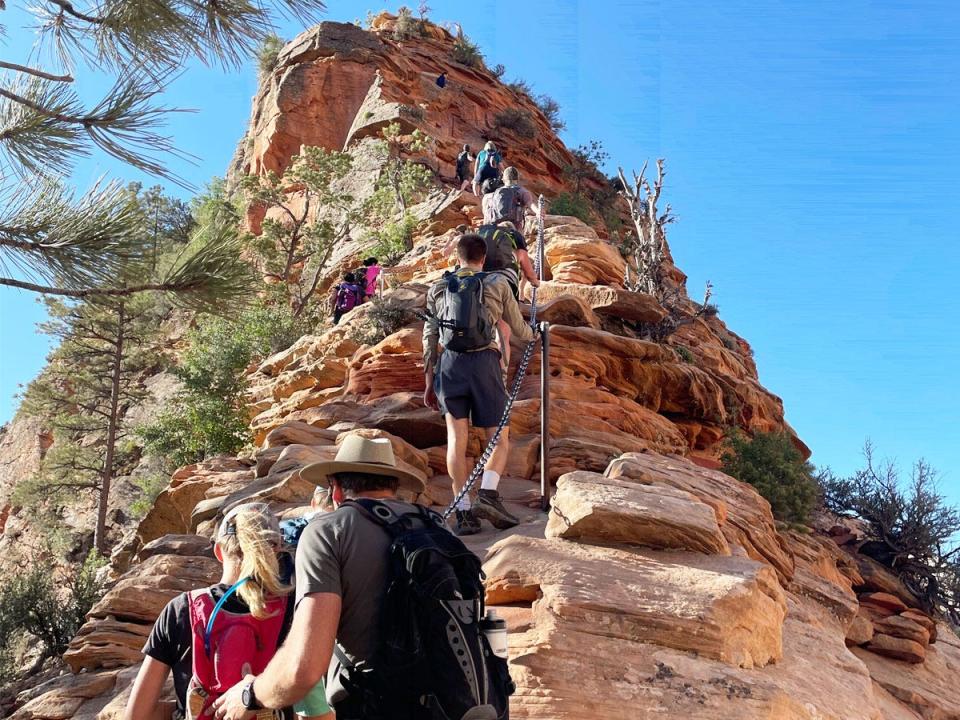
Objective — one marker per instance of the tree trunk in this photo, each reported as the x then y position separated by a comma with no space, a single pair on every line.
106,477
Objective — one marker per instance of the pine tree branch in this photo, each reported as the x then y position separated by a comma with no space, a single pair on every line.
104,292
68,8
36,72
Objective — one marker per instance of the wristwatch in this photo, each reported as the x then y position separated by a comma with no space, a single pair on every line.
249,698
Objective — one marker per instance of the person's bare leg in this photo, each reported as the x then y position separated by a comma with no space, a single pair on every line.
498,458
458,431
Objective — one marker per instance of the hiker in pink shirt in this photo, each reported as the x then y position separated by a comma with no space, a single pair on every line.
373,273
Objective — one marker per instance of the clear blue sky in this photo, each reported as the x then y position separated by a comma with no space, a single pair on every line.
813,152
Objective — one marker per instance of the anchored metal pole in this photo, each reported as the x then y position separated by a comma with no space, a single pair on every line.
545,416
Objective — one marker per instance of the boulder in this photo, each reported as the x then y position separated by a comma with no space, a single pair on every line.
897,648
745,518
605,300
724,608
592,508
900,626
298,433
930,689
860,631
881,605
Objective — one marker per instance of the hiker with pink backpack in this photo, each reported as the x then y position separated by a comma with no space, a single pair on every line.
213,637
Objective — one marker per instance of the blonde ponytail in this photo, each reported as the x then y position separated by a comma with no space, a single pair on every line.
256,540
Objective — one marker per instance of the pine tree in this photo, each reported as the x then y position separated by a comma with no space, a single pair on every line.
54,242
94,376
301,230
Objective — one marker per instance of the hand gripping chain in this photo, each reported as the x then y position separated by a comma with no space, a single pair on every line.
517,380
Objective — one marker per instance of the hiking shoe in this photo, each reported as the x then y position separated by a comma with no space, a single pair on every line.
467,523
490,507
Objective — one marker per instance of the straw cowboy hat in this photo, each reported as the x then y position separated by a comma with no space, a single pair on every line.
373,456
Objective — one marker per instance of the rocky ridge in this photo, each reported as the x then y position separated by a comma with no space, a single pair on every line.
656,586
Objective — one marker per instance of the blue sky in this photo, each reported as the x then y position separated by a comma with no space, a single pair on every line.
813,151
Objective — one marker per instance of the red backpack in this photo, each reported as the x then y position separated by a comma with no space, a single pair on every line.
227,646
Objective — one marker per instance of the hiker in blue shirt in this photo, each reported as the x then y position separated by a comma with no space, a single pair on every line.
487,166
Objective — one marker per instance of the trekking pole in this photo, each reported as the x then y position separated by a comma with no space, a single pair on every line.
545,416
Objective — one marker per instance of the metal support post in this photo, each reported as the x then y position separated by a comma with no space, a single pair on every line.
545,416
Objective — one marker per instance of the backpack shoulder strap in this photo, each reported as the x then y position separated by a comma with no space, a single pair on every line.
384,516
208,631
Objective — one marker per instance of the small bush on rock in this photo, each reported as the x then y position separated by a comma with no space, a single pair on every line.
572,205
466,52
44,611
773,465
269,54
382,320
911,528
517,120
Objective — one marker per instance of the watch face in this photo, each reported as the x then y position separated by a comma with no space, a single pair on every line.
246,697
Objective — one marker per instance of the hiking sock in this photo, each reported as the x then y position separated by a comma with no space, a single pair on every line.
490,480
464,502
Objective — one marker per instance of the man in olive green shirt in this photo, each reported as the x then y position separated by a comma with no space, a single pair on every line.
468,386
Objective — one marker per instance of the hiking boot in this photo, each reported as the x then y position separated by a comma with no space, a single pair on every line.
467,523
490,507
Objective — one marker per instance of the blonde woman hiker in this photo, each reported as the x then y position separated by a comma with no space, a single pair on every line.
212,637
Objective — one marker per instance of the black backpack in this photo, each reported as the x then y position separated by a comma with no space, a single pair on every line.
507,204
464,320
433,661
501,246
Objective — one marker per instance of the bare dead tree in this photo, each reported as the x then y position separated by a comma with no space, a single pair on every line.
648,250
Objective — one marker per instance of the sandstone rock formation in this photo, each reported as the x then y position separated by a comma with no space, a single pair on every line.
657,586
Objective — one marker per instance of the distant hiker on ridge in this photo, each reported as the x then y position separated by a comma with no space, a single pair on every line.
442,80
465,382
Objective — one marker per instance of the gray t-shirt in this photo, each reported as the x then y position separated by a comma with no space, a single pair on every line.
345,553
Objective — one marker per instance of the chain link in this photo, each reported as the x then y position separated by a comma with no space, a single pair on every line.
517,380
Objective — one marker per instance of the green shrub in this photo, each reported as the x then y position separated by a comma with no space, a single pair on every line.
498,70
209,417
466,52
517,120
381,320
405,25
551,110
269,54
773,465
685,354
572,205
394,240
47,612
521,87
150,486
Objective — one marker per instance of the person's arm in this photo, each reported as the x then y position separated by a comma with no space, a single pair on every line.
523,257
504,306
144,702
300,663
431,336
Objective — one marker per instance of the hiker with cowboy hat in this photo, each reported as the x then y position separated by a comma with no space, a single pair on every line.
341,580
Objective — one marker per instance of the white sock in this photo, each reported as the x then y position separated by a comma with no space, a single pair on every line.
464,502
490,480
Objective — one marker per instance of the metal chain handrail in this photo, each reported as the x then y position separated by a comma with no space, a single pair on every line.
517,380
